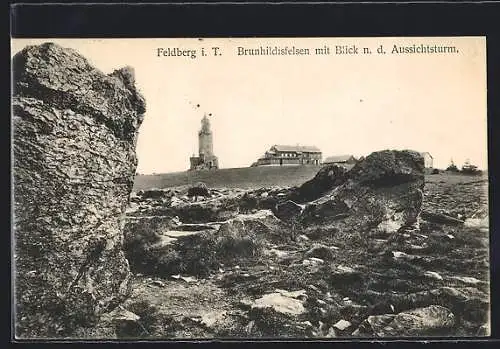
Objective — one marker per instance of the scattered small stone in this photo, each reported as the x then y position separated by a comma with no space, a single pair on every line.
397,254
121,314
189,279
331,333
175,202
302,238
320,251
306,323
278,253
314,288
210,319
419,247
158,283
467,279
280,304
402,255
433,275
344,269
317,260
484,331
292,294
312,261
342,325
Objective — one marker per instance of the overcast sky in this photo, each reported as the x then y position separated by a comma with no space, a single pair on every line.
343,104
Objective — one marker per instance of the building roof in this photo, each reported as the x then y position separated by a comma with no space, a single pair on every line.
426,152
338,158
297,148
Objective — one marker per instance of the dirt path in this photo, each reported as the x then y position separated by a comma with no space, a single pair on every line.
188,309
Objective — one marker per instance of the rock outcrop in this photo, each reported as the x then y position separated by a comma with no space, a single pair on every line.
75,132
199,189
382,192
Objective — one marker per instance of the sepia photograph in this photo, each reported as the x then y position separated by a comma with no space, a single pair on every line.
243,188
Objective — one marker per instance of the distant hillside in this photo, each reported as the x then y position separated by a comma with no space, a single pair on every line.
246,177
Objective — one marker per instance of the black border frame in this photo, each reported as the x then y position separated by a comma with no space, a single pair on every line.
272,19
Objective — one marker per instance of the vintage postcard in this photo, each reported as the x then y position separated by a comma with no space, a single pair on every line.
250,188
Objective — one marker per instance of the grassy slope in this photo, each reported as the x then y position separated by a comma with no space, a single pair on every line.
246,177
257,177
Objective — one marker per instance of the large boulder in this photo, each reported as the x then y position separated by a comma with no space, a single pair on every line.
469,304
382,192
388,168
433,320
75,132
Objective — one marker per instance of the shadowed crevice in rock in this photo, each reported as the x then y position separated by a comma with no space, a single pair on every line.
75,131
326,179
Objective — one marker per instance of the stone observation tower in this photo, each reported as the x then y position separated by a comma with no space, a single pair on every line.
206,160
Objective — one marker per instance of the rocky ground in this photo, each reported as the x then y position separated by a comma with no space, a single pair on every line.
254,263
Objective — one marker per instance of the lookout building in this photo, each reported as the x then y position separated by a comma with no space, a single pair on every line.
286,155
206,160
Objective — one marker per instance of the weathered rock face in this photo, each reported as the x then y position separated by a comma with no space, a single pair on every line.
388,168
384,192
75,132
